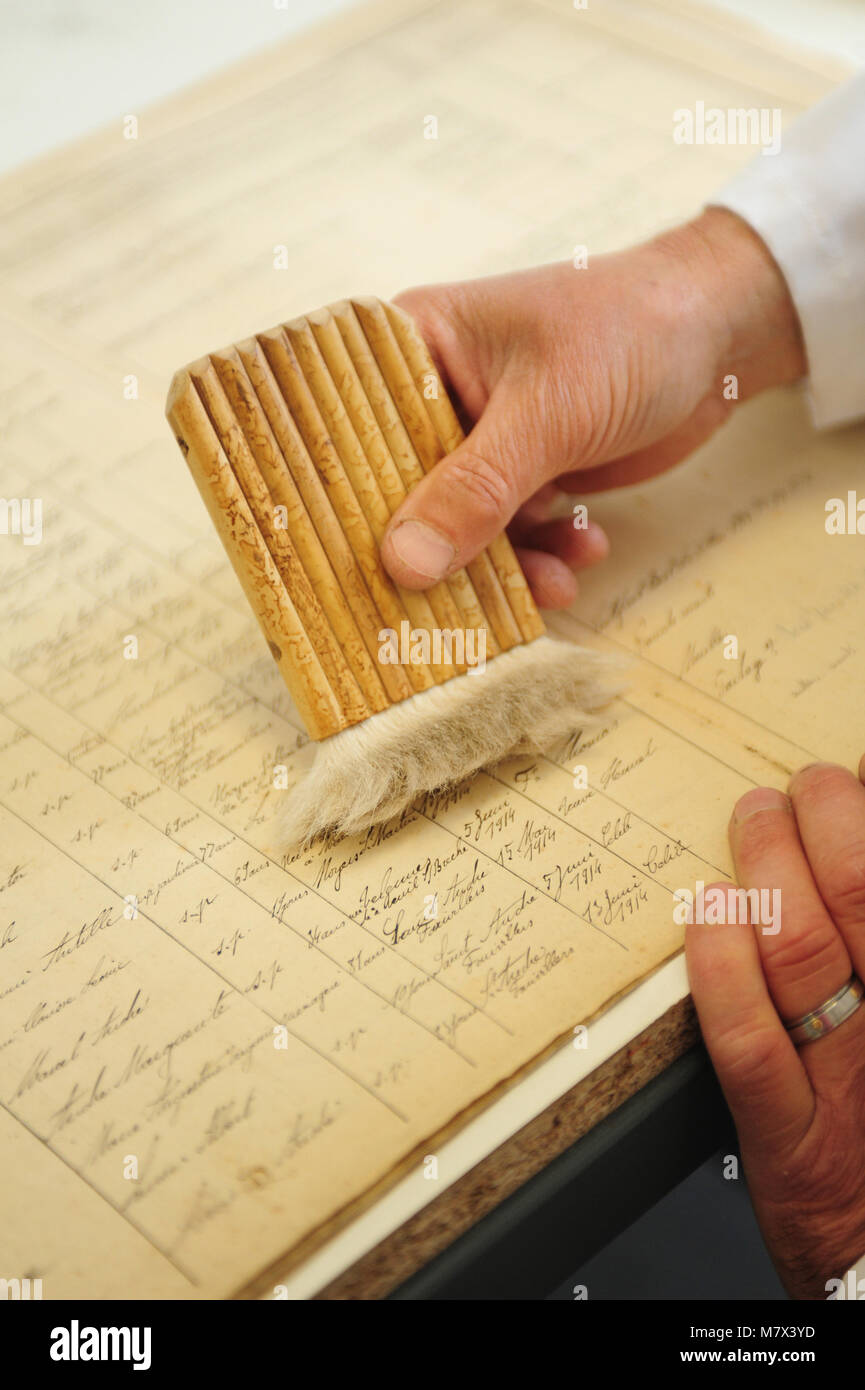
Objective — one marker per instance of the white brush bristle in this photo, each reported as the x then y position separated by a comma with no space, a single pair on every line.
524,700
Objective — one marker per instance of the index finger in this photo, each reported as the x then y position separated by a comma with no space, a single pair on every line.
760,1072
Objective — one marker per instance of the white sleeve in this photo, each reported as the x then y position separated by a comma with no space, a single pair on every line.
807,203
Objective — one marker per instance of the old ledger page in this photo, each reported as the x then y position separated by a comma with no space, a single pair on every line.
213,1050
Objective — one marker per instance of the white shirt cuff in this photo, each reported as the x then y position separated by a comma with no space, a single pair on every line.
807,203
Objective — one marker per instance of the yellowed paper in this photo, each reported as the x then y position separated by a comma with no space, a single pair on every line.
211,1050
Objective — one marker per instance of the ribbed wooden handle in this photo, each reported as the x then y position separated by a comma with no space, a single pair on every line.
303,442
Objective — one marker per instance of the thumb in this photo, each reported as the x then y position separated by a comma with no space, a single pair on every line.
463,504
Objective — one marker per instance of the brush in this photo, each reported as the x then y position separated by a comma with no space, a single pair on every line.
303,442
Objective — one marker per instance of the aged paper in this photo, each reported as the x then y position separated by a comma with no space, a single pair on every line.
213,1051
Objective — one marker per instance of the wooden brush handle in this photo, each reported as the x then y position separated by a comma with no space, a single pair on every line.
303,442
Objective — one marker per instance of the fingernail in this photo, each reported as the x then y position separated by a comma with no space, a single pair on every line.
760,799
422,549
598,542
809,767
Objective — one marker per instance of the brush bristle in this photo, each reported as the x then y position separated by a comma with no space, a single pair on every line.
522,701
